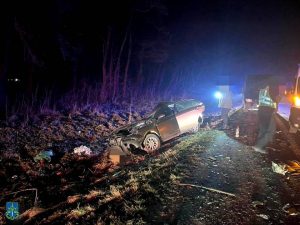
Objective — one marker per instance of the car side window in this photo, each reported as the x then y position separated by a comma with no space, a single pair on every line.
183,105
164,110
179,107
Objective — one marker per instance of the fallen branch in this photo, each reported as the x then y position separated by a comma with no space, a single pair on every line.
72,201
93,172
208,189
100,180
44,213
110,177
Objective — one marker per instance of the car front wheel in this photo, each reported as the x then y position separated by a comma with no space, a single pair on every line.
151,143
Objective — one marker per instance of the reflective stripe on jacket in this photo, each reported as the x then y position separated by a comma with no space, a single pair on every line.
265,99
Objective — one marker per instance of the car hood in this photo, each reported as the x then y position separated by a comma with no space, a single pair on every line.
132,128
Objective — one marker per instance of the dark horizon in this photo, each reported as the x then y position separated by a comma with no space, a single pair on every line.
216,38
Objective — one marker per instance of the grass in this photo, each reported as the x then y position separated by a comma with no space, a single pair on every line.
85,96
80,211
131,194
115,191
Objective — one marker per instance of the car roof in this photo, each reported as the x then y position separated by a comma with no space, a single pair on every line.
166,103
172,102
187,100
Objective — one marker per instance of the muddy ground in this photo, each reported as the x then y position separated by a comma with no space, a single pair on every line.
211,177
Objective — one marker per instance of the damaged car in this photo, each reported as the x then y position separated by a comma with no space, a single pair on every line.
168,120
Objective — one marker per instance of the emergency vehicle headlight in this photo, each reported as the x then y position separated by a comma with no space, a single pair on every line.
297,101
218,95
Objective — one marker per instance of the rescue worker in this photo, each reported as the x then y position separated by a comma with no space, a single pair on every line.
225,103
266,119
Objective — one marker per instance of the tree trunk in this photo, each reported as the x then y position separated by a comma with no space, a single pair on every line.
127,66
117,69
3,93
110,75
4,67
139,79
104,72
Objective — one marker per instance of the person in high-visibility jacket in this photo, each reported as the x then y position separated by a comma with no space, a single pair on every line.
266,119
225,104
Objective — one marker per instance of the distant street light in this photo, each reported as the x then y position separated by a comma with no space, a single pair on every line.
14,80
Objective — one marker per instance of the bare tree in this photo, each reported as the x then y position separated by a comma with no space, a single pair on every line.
127,66
105,75
117,67
148,5
3,92
31,57
3,77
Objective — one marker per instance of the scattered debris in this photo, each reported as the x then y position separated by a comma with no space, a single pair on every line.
295,174
279,168
44,155
291,167
257,203
290,210
82,150
264,216
294,164
237,132
14,177
212,158
117,155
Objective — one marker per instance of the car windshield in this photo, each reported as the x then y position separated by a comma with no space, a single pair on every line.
182,105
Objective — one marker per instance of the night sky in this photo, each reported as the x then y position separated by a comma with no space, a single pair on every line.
237,38
199,39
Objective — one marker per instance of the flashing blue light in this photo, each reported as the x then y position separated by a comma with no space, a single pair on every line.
218,95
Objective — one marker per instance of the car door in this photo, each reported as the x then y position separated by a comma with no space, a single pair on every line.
166,124
187,116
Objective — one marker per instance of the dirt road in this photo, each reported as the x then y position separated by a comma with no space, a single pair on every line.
225,164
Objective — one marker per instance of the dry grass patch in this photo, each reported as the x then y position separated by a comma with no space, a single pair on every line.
80,211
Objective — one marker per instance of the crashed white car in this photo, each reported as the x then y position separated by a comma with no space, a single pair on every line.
168,120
